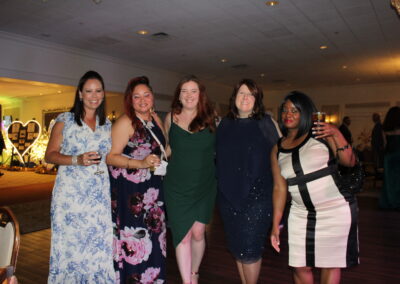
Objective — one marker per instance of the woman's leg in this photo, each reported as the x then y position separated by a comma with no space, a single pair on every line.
198,246
249,272
241,272
303,275
184,257
330,275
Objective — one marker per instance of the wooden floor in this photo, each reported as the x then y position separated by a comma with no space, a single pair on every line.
379,233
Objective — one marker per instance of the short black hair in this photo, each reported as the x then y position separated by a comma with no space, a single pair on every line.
257,93
305,106
392,119
78,110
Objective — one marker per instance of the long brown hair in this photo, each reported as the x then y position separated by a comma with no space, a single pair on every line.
128,105
205,117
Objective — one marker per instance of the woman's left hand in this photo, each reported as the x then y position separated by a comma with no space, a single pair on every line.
323,129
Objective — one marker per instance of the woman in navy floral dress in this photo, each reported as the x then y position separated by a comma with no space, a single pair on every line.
139,246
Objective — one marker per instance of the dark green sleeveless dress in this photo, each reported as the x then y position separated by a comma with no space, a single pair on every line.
190,183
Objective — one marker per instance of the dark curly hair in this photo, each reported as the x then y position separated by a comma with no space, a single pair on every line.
257,93
128,105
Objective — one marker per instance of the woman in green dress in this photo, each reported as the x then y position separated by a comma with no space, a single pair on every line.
190,184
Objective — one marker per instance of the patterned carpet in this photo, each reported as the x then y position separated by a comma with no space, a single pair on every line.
32,216
28,195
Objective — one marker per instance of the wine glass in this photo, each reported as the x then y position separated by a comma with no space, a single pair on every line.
98,171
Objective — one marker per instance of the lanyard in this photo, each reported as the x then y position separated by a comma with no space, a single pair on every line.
155,138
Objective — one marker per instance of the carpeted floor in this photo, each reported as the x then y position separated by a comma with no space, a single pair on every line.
28,194
32,216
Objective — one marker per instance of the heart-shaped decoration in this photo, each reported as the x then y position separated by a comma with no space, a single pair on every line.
23,136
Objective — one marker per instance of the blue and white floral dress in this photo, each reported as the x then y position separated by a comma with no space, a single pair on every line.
81,242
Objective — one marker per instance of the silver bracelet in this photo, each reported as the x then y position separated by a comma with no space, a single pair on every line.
343,148
74,160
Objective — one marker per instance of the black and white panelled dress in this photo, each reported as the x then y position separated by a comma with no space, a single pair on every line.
322,224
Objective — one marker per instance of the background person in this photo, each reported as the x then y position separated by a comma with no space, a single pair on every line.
344,129
81,228
322,224
377,141
245,178
390,195
190,184
138,213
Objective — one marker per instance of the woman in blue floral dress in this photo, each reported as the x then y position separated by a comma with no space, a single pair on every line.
81,241
139,246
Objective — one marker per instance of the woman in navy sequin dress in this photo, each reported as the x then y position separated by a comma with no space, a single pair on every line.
244,142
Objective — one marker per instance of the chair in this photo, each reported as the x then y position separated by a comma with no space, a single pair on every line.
9,243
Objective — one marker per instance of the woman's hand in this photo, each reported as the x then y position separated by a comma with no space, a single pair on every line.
323,130
275,242
150,161
88,159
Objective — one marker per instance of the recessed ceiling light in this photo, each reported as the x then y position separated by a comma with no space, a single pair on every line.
59,92
262,75
344,66
323,47
223,60
272,3
142,32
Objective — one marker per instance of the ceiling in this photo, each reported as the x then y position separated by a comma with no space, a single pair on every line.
278,46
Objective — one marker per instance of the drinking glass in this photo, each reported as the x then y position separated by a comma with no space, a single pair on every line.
98,171
318,116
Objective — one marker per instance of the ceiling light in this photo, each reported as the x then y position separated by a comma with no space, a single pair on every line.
396,5
59,92
223,60
323,47
262,75
344,67
142,32
272,3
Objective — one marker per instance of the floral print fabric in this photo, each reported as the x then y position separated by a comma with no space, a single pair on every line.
81,227
139,246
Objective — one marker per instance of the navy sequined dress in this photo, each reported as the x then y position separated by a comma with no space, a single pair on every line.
245,184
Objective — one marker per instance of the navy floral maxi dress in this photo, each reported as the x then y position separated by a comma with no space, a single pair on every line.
139,246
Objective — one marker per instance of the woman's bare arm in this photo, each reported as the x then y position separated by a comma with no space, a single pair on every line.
121,131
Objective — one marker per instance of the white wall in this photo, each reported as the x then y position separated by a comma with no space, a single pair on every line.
31,59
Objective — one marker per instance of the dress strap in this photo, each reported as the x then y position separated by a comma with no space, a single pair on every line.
303,179
146,125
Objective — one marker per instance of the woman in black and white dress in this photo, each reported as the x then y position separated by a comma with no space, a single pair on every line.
322,224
